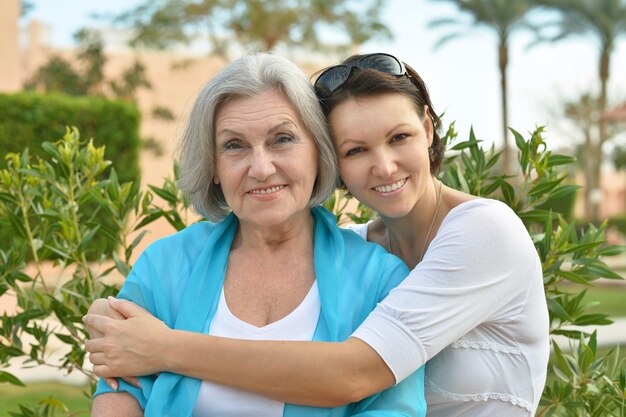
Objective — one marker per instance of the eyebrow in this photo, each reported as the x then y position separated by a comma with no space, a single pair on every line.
269,131
396,127
280,126
360,142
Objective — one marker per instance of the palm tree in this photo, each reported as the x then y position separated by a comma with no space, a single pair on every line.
605,20
502,17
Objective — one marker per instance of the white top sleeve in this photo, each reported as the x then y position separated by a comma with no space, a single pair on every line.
475,271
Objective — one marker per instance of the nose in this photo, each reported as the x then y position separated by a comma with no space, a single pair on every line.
261,164
384,164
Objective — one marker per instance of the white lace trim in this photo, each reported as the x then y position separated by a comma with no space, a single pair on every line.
484,396
496,347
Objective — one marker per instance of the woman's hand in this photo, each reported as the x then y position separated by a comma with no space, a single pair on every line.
129,347
101,307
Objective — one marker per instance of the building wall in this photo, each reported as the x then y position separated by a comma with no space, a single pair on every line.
10,64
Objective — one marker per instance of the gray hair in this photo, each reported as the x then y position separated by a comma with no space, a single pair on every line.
248,77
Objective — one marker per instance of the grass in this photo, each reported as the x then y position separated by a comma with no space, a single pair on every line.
72,396
611,299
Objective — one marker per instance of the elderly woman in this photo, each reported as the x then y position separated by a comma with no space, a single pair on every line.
256,159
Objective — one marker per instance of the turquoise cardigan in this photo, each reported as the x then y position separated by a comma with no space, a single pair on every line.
179,280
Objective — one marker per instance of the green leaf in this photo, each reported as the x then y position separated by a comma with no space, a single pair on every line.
507,192
138,239
563,190
8,198
11,379
536,216
601,271
54,403
164,194
556,160
573,277
592,319
612,250
543,187
558,310
52,150
11,351
87,238
155,215
17,225
122,266
66,338
464,145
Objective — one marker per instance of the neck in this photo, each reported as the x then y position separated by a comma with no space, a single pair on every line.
263,238
408,237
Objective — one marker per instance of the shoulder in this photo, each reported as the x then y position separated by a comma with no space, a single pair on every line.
485,219
484,232
359,229
189,240
369,262
176,252
482,209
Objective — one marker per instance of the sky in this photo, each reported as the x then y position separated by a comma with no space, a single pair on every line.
462,75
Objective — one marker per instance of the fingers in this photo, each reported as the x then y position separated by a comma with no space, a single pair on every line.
96,323
94,345
103,372
126,308
112,382
132,381
93,333
99,306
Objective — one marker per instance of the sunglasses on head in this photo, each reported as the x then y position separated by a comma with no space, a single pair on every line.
334,77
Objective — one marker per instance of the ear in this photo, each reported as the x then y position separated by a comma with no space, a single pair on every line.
216,180
428,126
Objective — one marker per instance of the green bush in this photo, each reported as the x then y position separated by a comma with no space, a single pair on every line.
41,202
30,119
619,222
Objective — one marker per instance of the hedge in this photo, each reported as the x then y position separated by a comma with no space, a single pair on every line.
29,119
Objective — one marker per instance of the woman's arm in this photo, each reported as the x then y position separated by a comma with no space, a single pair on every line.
323,374
117,404
310,373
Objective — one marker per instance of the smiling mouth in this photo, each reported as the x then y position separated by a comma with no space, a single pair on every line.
390,187
267,190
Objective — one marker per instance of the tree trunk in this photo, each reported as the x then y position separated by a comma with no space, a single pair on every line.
592,175
503,60
594,185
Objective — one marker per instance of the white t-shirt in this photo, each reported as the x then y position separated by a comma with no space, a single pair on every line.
475,309
219,400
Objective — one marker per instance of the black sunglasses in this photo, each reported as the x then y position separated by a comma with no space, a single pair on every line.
334,77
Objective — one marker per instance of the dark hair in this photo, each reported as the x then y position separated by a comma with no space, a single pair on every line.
370,82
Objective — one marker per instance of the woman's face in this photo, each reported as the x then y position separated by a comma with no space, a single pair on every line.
382,147
266,161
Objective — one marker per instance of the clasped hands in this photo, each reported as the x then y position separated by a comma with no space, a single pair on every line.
122,341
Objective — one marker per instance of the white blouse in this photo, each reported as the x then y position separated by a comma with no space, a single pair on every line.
222,401
475,309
